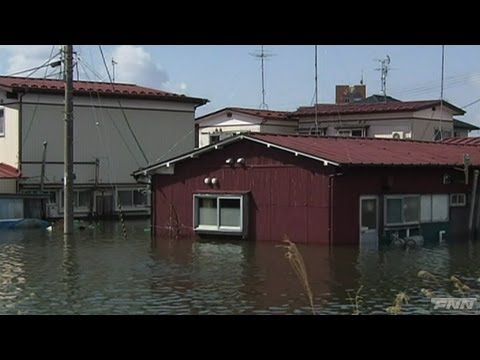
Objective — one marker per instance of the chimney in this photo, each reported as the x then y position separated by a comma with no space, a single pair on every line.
348,94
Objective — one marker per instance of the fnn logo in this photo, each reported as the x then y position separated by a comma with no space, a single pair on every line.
465,304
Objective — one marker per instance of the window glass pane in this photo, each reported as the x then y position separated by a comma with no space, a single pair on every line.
2,122
230,212
357,133
411,208
125,197
214,139
139,197
83,199
207,211
440,207
52,197
426,208
11,209
394,211
369,214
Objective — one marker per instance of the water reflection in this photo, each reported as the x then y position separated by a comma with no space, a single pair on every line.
99,272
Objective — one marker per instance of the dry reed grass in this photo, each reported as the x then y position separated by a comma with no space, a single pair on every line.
298,265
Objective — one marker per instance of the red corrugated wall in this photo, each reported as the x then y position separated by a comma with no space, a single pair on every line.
289,195
355,182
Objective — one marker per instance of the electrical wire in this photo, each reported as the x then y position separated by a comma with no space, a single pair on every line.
121,108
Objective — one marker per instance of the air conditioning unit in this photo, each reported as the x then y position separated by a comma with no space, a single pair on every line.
397,135
52,211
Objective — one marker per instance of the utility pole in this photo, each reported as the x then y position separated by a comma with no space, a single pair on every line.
44,159
68,154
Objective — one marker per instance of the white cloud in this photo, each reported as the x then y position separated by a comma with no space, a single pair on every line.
22,57
135,65
178,88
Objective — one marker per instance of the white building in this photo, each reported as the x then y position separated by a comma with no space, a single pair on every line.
418,120
428,120
220,124
108,123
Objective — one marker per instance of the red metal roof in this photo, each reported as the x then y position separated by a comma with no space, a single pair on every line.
8,172
463,141
265,114
87,87
369,108
372,151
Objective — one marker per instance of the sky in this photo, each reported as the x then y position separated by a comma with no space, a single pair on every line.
229,76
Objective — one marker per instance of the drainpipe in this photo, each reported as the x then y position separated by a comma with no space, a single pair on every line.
331,178
20,137
472,202
44,158
20,131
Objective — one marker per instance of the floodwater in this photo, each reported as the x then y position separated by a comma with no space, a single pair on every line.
100,272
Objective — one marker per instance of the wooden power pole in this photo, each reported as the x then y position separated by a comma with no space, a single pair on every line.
68,154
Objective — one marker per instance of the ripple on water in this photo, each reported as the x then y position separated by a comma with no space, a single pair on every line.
98,272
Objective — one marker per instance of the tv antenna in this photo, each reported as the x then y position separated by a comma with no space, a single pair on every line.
385,68
263,55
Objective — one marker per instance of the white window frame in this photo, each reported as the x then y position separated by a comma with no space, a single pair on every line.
431,218
401,197
217,228
76,200
349,131
2,122
457,203
133,206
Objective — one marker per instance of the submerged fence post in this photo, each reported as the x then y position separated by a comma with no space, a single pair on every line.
472,202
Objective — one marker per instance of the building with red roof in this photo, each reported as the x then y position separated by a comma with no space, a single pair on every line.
321,190
375,116
8,179
117,127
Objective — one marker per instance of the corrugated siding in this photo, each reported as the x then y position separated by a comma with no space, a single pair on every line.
98,136
282,201
356,182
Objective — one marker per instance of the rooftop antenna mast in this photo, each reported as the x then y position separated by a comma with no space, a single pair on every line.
113,69
441,92
263,56
385,67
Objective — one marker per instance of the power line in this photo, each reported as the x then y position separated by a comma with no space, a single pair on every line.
470,104
38,97
83,64
121,108
34,69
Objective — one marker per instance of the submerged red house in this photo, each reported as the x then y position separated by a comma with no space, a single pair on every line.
324,190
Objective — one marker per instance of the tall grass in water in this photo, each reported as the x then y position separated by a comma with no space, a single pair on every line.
400,299
298,265
356,301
